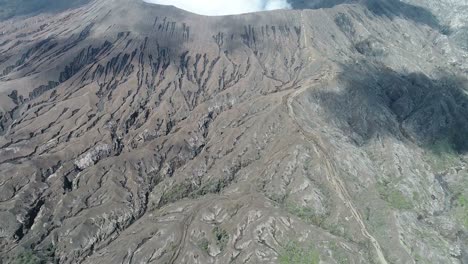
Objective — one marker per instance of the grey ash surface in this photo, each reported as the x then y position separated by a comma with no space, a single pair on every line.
135,133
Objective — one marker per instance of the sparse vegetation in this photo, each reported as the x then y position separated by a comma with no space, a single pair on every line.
394,197
419,259
212,186
339,230
204,244
461,212
177,192
442,155
277,197
305,213
27,257
339,254
294,253
221,236
307,165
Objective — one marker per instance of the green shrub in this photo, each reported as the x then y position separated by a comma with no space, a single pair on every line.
305,213
339,254
293,253
443,155
394,197
27,257
176,193
462,210
221,236
204,244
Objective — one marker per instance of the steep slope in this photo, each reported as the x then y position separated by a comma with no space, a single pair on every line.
136,133
9,9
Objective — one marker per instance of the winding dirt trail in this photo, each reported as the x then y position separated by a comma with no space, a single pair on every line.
331,172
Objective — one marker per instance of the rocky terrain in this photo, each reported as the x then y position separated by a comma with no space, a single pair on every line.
137,133
25,8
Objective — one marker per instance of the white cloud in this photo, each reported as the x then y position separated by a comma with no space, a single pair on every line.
224,7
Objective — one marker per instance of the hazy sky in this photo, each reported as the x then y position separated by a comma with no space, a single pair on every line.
224,7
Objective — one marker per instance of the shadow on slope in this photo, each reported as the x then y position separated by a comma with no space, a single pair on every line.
389,8
377,101
84,59
11,8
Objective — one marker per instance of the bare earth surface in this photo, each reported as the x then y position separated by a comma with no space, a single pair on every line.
136,133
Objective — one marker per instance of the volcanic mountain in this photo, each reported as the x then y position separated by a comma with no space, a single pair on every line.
335,132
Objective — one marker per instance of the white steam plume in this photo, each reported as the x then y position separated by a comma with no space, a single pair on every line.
224,7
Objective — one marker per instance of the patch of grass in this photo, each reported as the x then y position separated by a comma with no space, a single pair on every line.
176,193
394,197
307,165
419,259
212,186
416,196
221,236
307,214
293,253
339,254
442,155
461,212
234,208
462,201
339,230
27,257
277,197
204,244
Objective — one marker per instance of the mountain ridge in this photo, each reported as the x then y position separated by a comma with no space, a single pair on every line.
138,133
